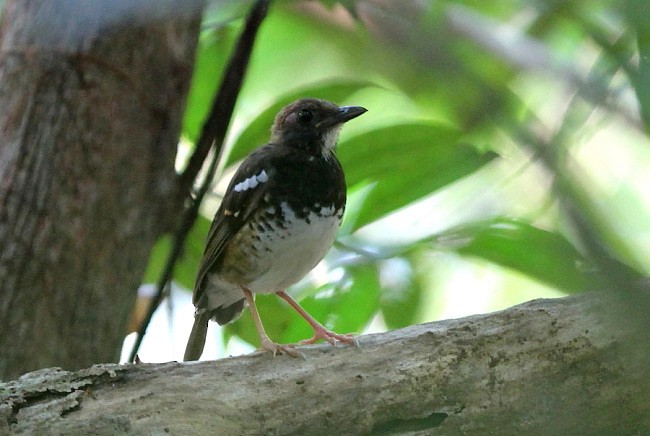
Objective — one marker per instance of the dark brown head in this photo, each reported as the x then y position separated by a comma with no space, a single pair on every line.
311,123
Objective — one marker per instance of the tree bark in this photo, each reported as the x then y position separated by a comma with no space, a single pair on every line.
91,98
563,366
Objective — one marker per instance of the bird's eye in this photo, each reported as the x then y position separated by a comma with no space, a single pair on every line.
305,115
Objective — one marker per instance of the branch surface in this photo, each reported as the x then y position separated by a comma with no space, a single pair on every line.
562,366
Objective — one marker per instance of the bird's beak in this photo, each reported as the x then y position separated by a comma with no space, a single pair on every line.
344,113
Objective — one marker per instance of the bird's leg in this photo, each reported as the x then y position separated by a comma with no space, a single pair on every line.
320,332
265,342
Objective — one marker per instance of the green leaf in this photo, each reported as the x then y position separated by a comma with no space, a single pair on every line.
294,50
157,259
211,56
404,163
188,263
638,14
540,254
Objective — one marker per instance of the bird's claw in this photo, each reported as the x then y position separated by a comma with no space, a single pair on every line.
288,349
331,337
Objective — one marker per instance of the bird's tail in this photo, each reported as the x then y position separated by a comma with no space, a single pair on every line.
196,340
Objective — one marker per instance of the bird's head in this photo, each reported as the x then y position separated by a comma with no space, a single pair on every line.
312,124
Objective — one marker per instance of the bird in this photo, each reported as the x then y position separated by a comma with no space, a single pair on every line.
278,218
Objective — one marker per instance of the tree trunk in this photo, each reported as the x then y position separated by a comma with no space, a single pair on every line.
91,98
564,366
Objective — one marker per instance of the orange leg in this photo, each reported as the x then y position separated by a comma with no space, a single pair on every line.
320,332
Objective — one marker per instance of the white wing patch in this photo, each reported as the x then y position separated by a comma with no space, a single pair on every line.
251,182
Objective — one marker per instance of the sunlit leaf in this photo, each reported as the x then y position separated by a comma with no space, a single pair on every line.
543,255
188,265
212,53
157,259
281,63
405,162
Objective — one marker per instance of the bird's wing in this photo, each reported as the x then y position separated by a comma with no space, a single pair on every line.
246,190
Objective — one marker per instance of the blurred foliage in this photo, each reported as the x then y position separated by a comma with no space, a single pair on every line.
464,97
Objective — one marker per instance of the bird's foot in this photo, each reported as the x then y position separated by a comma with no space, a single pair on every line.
269,345
331,337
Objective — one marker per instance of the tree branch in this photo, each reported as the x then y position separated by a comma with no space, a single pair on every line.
563,366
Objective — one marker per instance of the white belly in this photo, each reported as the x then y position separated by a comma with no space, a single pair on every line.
295,250
283,255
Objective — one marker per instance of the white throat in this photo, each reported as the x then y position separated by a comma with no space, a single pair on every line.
329,139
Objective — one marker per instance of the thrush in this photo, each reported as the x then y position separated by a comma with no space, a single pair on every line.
278,218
